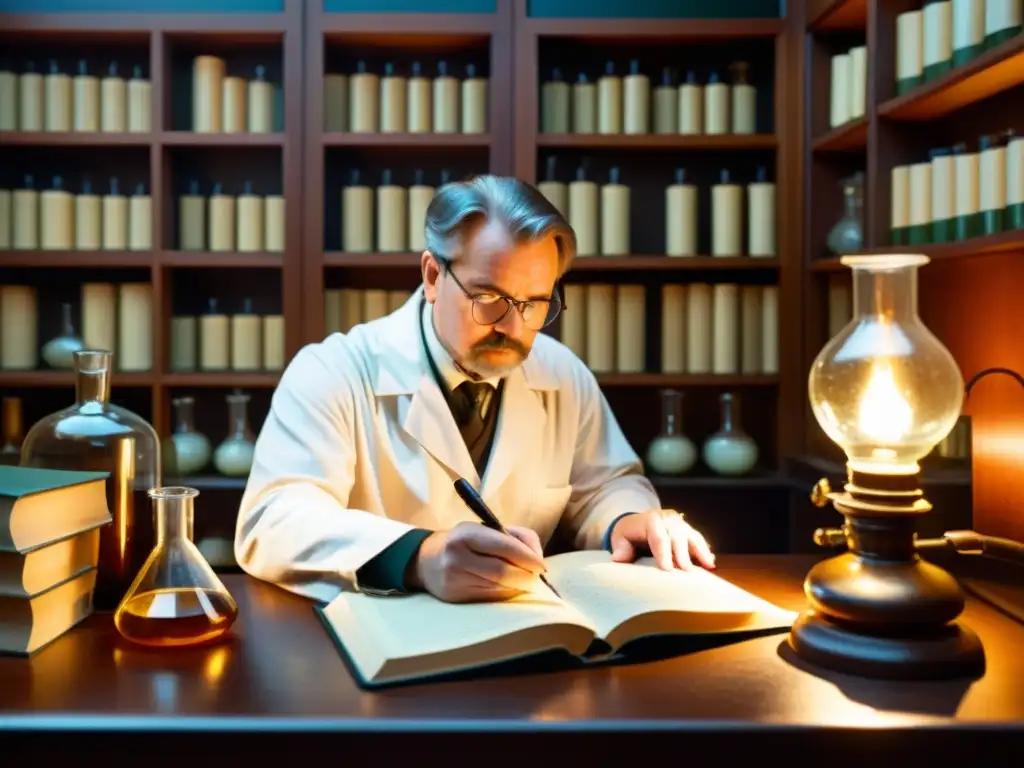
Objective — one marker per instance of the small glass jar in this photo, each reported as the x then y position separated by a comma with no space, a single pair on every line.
233,457
13,432
730,451
847,236
188,450
59,352
671,452
96,435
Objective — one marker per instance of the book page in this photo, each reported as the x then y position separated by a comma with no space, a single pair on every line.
612,594
407,636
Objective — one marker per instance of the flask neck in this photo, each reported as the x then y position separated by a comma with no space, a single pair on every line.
238,418
889,295
92,376
184,415
729,421
671,412
174,514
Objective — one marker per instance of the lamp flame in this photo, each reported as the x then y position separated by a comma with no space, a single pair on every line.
884,416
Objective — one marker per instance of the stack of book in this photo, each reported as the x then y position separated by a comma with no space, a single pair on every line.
50,524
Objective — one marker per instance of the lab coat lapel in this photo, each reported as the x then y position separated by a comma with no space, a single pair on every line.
519,430
429,421
402,371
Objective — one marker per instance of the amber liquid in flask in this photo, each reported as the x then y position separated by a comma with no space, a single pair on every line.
176,599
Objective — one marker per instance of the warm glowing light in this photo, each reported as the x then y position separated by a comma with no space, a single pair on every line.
883,414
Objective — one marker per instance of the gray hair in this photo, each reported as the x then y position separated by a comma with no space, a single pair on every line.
461,206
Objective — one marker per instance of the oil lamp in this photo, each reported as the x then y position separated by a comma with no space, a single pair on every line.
886,391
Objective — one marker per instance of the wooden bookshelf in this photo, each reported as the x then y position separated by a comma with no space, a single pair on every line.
966,295
163,44
702,44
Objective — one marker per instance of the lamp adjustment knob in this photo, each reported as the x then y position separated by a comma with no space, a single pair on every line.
820,492
830,538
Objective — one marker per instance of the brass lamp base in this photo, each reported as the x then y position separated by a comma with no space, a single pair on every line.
879,610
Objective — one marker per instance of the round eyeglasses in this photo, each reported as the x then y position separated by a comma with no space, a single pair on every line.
491,308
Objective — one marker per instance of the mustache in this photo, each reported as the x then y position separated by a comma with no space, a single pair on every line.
499,341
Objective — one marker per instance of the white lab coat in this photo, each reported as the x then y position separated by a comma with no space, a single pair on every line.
360,446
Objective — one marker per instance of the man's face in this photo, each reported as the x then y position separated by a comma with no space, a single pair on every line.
489,262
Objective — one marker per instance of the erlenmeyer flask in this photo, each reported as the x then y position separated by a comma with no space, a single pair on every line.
176,599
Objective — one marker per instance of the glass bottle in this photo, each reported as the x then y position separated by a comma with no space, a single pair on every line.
59,352
96,435
10,451
730,451
671,452
847,236
233,457
188,450
176,599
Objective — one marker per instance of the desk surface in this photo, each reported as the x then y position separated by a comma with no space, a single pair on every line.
282,674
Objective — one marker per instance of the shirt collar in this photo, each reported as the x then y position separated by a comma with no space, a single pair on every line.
453,376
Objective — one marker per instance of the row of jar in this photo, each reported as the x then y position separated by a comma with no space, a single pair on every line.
345,308
729,451
724,328
218,341
600,214
848,86
221,222
188,450
57,219
624,104
84,102
118,318
368,102
939,36
223,103
960,193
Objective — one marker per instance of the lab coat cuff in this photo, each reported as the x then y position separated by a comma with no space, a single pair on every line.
606,543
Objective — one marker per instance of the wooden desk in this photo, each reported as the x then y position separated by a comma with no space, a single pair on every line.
280,684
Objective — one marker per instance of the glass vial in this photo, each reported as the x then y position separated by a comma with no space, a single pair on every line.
233,457
671,452
176,599
730,451
189,449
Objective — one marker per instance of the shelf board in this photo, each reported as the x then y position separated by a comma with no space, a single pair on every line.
227,259
582,264
930,475
224,140
389,260
407,140
838,16
422,31
240,379
671,263
83,259
651,141
847,138
67,379
992,72
213,483
137,26
1000,242
73,139
619,30
685,380
753,481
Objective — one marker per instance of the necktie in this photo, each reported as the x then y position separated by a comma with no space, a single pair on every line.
469,402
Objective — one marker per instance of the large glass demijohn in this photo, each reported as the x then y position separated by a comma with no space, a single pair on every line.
96,435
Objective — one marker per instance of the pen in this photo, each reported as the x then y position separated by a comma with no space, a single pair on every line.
479,508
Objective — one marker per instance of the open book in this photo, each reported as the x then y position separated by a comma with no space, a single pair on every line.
604,607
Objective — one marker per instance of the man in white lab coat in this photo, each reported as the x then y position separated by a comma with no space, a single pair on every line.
352,480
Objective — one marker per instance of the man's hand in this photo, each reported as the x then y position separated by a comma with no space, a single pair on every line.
670,539
472,563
